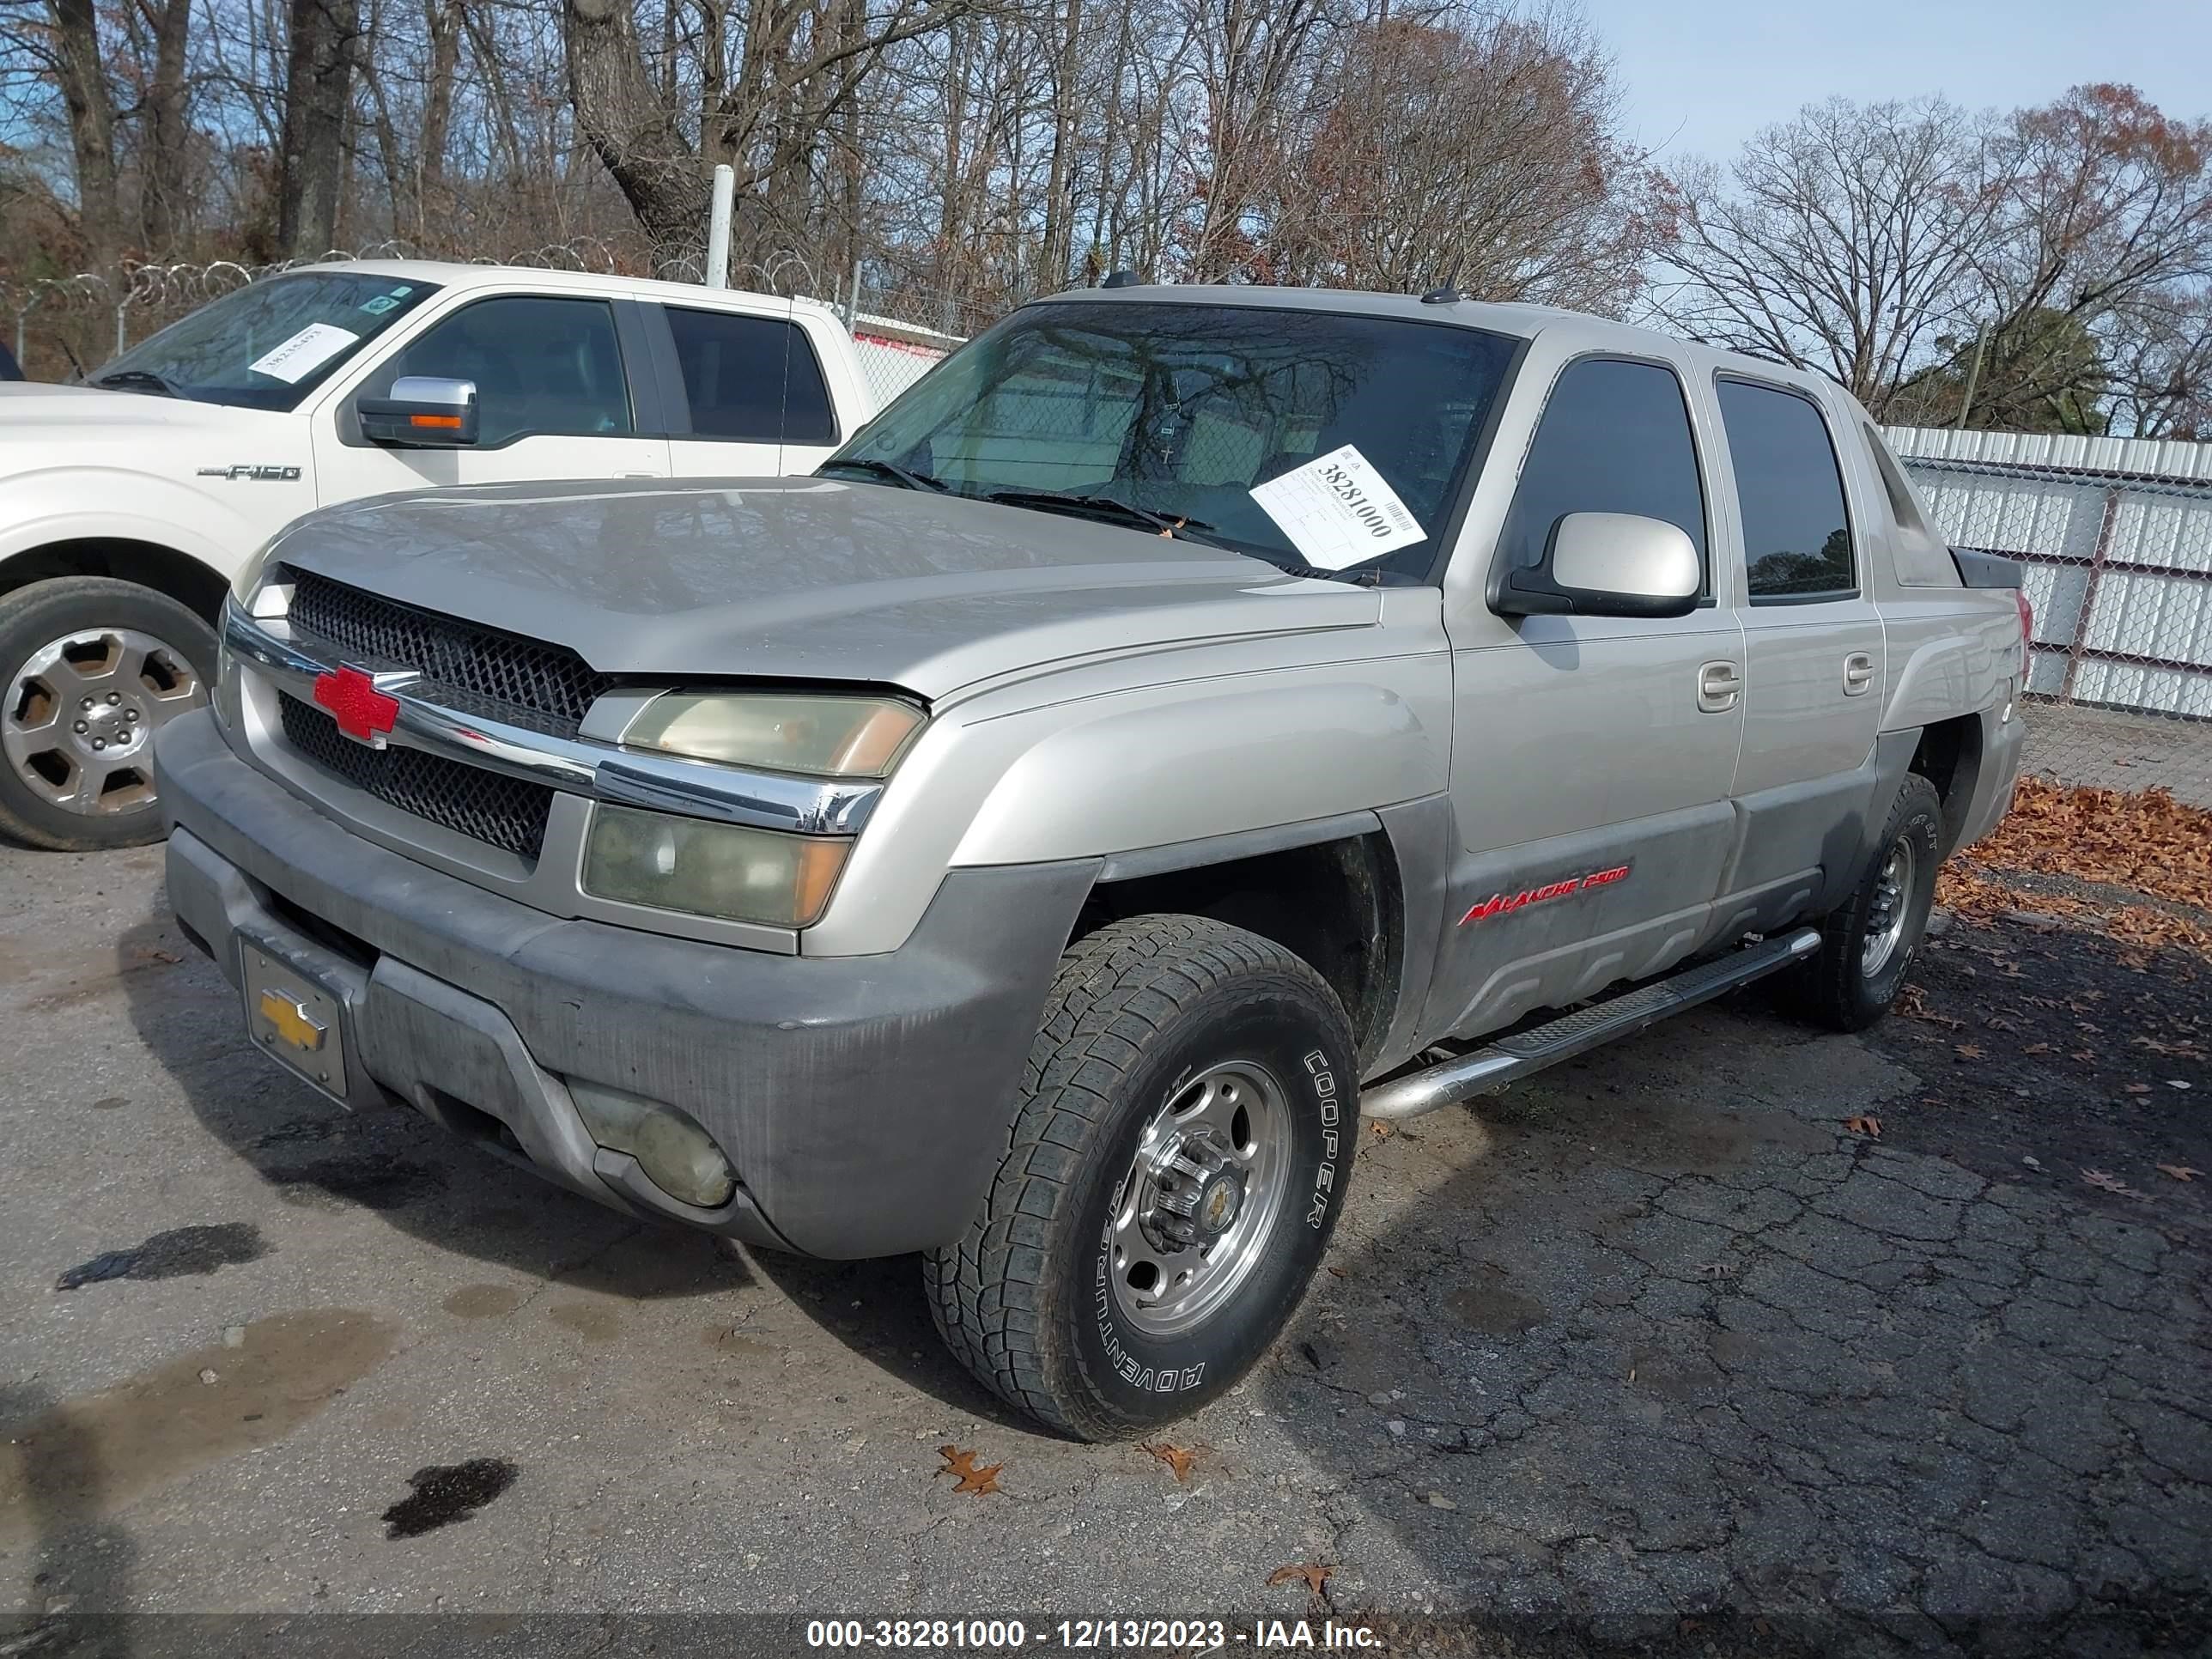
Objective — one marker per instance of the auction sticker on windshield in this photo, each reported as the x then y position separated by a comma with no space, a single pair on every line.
303,354
1338,511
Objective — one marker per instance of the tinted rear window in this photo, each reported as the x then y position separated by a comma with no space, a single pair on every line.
751,378
1797,532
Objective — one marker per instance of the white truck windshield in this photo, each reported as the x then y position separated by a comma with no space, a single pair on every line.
268,344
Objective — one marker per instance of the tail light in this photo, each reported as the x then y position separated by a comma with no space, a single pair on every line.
2027,633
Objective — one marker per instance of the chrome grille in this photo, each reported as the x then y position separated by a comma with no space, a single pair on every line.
486,806
548,681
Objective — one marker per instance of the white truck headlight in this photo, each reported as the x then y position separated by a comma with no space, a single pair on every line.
709,869
825,735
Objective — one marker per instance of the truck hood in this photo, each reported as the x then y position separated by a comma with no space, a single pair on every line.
804,579
43,425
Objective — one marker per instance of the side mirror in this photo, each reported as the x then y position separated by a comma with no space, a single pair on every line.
424,411
1607,564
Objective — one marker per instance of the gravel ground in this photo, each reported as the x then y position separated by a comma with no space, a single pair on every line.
1655,1354
2114,749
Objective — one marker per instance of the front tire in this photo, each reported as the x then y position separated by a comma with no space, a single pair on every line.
1867,947
90,668
1176,1168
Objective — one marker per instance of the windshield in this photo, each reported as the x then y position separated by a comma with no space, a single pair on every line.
268,344
1178,412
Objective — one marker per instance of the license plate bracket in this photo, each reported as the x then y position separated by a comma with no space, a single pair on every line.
294,1020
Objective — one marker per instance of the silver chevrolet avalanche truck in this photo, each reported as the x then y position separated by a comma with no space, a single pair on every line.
1185,720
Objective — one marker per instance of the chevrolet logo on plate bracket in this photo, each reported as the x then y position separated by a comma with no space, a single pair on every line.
290,1021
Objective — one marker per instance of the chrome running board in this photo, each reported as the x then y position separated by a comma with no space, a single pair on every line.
1488,1069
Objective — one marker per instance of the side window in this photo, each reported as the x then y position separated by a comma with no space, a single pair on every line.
1615,438
754,378
543,367
1796,532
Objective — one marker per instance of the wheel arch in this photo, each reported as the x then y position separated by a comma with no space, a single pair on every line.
1331,892
189,580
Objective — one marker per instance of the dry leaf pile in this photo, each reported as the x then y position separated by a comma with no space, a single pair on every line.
2146,840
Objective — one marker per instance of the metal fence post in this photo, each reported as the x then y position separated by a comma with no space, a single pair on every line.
2097,557
718,226
121,309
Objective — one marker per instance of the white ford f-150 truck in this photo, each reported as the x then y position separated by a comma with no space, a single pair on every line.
127,505
1185,721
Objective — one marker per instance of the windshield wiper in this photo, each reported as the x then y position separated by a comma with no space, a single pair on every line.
139,380
897,474
1106,508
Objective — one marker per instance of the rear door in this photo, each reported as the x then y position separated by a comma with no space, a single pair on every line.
747,394
554,400
1814,645
1591,755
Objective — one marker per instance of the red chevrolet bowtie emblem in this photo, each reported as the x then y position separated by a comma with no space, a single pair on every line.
362,712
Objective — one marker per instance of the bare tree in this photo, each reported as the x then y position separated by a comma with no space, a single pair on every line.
793,77
1846,241
1481,149
318,96
76,60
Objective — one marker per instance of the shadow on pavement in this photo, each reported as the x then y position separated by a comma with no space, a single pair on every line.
1655,1351
317,1155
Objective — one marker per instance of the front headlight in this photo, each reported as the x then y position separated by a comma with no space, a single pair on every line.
825,735
710,869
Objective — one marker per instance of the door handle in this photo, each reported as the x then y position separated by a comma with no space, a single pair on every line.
1858,674
1719,684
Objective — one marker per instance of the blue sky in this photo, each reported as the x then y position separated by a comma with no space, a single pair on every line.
1702,75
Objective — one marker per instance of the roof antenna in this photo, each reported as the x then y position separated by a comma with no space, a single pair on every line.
1447,294
1122,279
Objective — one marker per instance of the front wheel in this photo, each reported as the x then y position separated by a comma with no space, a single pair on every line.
1867,945
1176,1168
91,667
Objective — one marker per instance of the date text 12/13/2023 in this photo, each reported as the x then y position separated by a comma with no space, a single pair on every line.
1189,1635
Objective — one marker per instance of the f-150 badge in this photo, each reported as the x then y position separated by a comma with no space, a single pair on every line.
246,469
1498,903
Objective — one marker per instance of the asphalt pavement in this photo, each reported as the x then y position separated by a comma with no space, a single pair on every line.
1658,1351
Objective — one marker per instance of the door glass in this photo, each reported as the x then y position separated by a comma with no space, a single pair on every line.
1797,534
1615,438
541,367
753,378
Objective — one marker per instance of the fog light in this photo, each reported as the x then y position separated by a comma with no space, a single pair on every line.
677,1155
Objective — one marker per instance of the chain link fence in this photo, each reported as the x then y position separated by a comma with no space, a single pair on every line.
2116,537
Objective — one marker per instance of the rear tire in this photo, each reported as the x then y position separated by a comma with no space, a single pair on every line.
1867,947
1175,1167
90,668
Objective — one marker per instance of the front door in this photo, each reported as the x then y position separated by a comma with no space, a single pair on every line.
553,401
1812,695
1591,755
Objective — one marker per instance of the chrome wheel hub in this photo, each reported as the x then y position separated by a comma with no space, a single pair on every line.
80,715
1194,1214
1892,900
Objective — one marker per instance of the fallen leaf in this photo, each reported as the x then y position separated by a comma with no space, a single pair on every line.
1868,1127
1339,1272
2110,1183
2037,1048
2179,1171
1966,1051
1382,1130
962,1463
1176,1457
1313,1572
2136,1089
